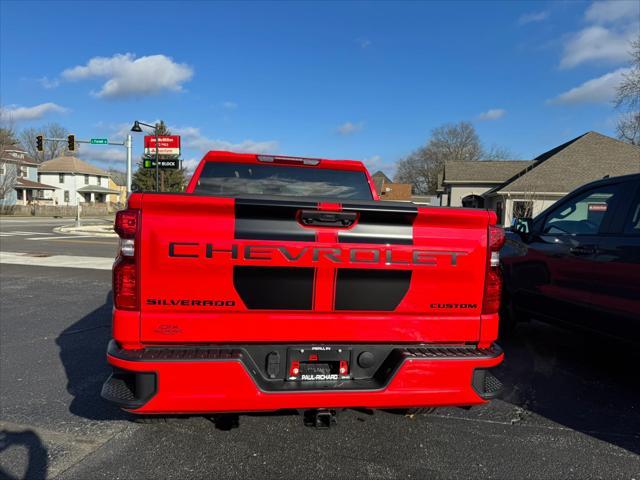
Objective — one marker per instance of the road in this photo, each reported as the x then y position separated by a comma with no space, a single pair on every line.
570,408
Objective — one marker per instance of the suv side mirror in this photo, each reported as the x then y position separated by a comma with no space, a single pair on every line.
522,226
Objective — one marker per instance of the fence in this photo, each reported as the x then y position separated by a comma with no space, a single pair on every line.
57,210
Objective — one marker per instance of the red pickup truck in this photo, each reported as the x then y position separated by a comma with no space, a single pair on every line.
284,283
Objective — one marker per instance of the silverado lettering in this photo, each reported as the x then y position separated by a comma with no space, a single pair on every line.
190,302
358,255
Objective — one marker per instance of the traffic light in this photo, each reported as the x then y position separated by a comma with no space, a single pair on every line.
72,143
40,143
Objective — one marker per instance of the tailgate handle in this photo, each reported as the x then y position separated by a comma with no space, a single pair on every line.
328,219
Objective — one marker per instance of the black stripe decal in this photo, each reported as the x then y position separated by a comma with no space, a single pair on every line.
266,221
275,288
364,289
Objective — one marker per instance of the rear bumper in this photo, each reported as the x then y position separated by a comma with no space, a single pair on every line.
217,379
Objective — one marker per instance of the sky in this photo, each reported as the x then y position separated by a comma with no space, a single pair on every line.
346,80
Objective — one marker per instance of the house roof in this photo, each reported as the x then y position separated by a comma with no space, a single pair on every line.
17,156
482,171
96,189
379,178
581,160
69,164
119,178
31,185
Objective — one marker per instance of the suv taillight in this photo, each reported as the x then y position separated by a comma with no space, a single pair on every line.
493,279
125,270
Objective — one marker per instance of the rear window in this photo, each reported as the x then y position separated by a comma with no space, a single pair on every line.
237,179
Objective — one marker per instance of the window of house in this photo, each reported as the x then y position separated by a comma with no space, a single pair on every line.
583,214
522,209
86,179
22,172
61,177
2,168
66,196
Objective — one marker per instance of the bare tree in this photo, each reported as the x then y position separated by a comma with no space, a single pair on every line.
451,142
496,152
628,99
51,149
8,171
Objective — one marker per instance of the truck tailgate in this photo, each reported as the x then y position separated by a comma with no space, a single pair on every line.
220,270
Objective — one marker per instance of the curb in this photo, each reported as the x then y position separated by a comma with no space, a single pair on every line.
101,231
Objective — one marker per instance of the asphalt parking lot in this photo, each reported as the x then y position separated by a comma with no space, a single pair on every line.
571,406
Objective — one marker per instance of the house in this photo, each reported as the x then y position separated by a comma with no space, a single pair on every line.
19,183
75,181
387,190
462,184
118,181
555,173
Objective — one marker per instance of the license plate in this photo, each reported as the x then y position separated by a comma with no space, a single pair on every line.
316,372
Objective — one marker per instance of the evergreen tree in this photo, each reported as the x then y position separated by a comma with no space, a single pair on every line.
171,180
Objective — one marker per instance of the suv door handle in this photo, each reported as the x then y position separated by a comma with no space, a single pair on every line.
328,219
584,250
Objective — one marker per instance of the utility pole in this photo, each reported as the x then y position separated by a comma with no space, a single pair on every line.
128,145
157,162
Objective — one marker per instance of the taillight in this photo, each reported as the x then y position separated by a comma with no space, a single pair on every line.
493,279
125,284
126,224
492,291
125,270
496,238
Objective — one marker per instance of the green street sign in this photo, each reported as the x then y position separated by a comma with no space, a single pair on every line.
99,141
162,164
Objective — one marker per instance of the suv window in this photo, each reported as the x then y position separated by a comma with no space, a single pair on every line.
582,215
632,225
234,179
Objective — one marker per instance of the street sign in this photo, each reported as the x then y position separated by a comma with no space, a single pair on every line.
168,146
99,141
167,163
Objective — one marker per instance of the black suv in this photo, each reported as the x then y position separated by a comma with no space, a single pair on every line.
578,262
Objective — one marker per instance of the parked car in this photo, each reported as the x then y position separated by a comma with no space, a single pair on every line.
578,262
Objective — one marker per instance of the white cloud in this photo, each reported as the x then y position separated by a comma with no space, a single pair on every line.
110,156
533,17
190,164
596,90
349,128
130,76
193,138
230,105
597,44
18,114
48,83
612,11
611,27
373,163
363,42
492,114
